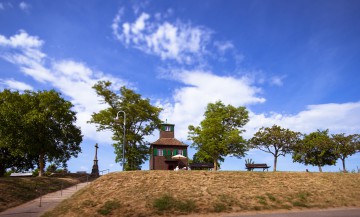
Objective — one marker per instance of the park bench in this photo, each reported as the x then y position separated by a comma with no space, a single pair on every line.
251,167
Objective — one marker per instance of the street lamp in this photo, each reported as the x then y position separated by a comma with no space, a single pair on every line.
117,117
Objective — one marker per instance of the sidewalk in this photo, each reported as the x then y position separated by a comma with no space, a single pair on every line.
48,201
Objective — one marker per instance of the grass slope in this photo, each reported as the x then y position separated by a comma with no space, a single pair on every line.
18,190
152,193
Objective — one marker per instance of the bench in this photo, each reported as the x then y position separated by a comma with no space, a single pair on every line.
251,167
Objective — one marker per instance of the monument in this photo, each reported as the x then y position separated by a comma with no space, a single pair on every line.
95,168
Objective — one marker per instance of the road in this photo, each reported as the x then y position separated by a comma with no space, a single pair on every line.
336,212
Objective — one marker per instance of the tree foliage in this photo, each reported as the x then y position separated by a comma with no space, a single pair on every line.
141,120
37,127
219,133
275,140
316,149
201,157
346,146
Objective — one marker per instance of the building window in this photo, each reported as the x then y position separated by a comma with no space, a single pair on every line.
180,152
160,152
167,128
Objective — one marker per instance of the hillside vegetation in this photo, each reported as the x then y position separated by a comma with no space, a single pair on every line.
166,193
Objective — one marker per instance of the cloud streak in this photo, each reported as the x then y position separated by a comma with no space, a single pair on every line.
17,85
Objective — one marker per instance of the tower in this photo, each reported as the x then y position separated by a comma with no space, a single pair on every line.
167,146
95,168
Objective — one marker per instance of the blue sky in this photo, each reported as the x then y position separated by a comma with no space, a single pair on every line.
291,63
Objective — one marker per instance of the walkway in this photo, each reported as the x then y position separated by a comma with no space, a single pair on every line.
48,201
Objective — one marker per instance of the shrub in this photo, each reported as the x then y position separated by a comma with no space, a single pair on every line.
186,206
219,207
108,207
164,203
51,168
271,197
169,203
8,173
35,172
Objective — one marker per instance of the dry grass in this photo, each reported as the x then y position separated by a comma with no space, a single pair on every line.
152,193
18,190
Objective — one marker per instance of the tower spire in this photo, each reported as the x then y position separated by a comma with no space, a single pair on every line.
95,168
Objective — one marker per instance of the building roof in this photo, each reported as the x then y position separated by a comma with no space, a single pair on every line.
168,141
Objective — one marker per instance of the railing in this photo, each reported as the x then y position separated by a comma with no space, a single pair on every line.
41,190
102,171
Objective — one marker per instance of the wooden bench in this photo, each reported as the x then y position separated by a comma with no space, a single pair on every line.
251,167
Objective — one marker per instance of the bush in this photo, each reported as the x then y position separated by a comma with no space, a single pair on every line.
219,207
169,203
164,203
51,168
35,172
8,173
108,207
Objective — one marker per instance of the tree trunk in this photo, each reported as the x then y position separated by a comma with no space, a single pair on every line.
2,170
343,163
41,164
320,170
215,165
275,162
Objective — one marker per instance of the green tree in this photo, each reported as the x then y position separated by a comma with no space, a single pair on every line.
346,146
38,124
16,161
202,157
219,133
316,149
142,119
275,140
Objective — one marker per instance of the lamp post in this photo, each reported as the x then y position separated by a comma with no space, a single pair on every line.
117,117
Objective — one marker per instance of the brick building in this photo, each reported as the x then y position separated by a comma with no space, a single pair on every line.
164,148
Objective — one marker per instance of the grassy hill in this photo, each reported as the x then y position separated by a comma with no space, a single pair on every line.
18,190
151,193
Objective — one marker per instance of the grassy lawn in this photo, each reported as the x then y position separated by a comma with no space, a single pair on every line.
170,193
18,190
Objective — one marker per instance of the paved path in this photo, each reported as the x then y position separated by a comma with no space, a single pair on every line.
48,201
332,212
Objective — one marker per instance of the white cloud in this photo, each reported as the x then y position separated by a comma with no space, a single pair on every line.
18,85
5,5
21,40
223,46
178,41
202,88
338,118
24,6
73,79
277,80
115,23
